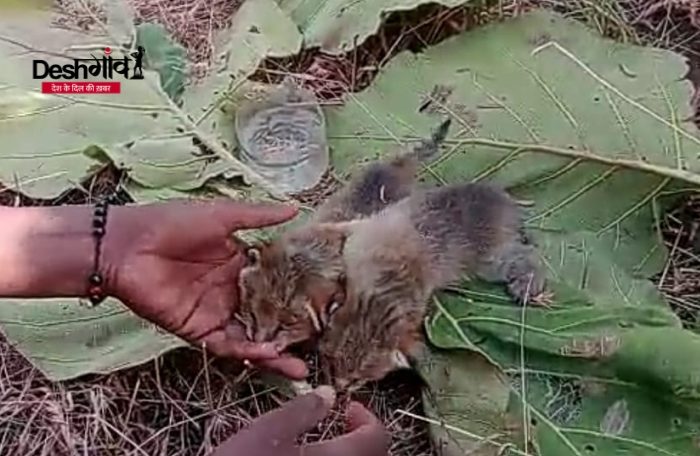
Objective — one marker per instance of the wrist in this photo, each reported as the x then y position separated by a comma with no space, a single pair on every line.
50,251
122,231
46,251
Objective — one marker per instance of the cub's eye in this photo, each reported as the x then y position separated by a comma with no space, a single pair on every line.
335,303
333,307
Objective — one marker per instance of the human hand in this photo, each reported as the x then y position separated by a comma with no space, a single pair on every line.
176,264
276,432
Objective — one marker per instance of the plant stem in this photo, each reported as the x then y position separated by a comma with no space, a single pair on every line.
675,173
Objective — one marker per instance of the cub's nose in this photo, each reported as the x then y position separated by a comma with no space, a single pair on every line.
260,336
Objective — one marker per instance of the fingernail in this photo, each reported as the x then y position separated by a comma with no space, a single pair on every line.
270,347
327,393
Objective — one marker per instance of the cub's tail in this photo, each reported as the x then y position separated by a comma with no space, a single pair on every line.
428,148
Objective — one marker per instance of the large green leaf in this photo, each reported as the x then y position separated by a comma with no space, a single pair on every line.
65,339
337,26
597,136
475,422
580,364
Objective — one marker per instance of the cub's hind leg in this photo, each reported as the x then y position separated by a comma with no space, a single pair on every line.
518,266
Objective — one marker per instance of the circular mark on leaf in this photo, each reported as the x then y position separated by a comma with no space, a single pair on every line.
589,448
540,39
676,422
616,418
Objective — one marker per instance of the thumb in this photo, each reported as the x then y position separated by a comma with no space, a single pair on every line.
366,435
296,416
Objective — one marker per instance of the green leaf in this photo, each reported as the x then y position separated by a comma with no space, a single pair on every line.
143,194
20,6
164,56
152,163
576,364
474,422
64,339
597,136
259,29
581,416
337,26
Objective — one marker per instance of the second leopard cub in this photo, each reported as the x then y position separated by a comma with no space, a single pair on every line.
291,282
398,257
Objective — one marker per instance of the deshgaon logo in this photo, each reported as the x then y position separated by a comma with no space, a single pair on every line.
106,67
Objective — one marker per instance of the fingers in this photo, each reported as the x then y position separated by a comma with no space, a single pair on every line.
232,343
238,215
289,366
367,436
358,416
297,416
228,344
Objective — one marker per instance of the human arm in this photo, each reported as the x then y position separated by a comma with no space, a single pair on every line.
45,251
173,263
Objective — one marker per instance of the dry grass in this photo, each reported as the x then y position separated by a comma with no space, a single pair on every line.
107,181
181,404
191,23
680,280
184,404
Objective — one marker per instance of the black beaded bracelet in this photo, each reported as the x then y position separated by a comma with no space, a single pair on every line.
96,293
